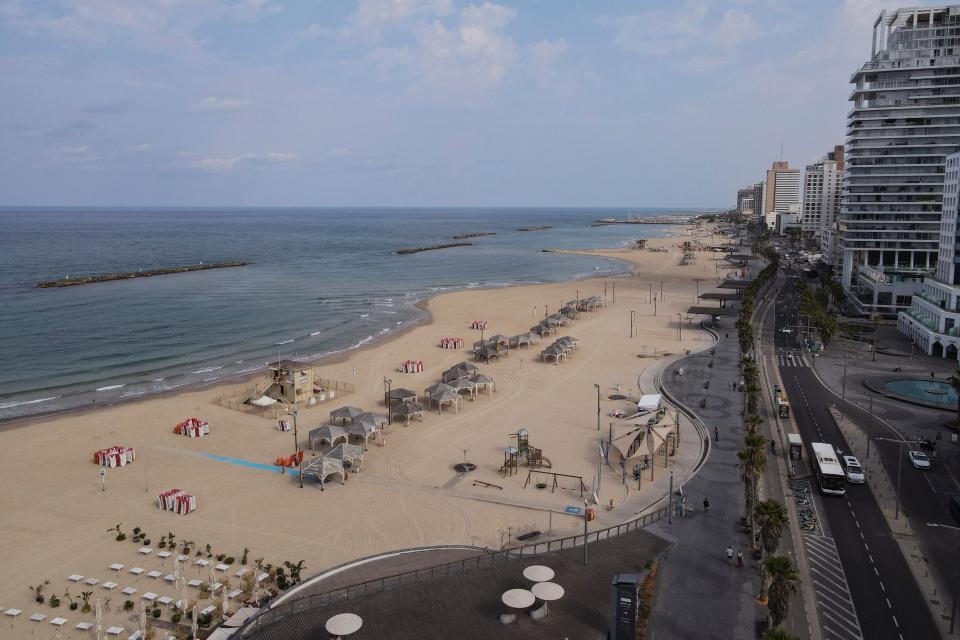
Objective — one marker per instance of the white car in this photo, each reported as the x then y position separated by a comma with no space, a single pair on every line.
919,459
853,469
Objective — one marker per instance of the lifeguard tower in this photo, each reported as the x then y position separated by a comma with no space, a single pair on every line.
291,382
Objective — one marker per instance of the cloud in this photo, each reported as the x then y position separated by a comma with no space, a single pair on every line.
109,108
213,103
690,27
373,17
469,52
225,164
79,156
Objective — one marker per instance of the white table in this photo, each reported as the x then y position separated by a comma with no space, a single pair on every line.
114,631
91,582
144,551
164,554
538,573
169,578
109,586
236,592
202,562
195,583
242,572
129,591
83,626
13,613
75,578
222,567
518,598
137,571
214,586
164,600
154,574
207,610
38,617
262,577
58,622
181,558
343,624
149,595
548,592
116,566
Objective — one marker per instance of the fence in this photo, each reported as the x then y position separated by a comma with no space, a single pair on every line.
490,559
238,400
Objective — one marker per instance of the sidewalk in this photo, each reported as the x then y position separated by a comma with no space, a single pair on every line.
700,595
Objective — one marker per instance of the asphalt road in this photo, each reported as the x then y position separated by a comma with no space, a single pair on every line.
886,598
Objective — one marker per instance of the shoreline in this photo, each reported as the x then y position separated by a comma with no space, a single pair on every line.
338,355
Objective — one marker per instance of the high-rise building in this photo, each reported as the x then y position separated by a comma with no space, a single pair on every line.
933,321
781,193
759,197
745,201
822,184
904,121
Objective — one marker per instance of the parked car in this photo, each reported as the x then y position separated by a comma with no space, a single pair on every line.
853,470
919,459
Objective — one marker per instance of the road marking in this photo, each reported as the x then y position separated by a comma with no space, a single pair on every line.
838,615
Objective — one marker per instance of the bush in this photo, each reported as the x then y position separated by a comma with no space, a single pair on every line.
121,536
229,560
128,605
146,541
175,618
54,601
156,613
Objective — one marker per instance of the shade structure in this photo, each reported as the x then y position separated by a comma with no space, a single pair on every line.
378,419
343,624
463,384
485,381
407,410
538,573
518,598
402,395
446,396
657,436
488,353
568,341
319,469
547,590
437,388
347,454
362,429
346,414
458,371
328,433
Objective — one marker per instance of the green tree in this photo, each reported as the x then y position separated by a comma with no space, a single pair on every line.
784,578
779,634
772,517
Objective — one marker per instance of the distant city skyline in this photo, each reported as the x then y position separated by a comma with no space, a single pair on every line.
418,102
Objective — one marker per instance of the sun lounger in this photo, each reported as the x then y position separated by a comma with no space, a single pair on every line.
169,578
164,554
58,622
242,572
116,566
214,586
202,562
110,586
262,577
83,626
233,594
136,571
129,591
134,636
144,551
156,575
75,578
38,617
208,610
13,613
114,631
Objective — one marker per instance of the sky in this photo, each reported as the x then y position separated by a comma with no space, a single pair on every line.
672,103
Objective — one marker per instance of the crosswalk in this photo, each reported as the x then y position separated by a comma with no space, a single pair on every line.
790,358
838,617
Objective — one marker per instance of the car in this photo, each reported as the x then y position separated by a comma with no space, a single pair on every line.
919,459
853,470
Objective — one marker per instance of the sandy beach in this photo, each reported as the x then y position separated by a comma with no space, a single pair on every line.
55,515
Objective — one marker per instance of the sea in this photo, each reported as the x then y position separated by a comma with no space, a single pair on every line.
319,281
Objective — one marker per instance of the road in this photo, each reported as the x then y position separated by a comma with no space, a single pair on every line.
886,598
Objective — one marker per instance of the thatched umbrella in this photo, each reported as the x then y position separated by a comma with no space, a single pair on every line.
464,384
402,395
486,381
407,410
447,395
347,414
459,370
437,387
378,419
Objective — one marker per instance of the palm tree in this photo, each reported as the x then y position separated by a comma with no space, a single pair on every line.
875,319
783,584
752,422
955,383
771,518
779,634
753,460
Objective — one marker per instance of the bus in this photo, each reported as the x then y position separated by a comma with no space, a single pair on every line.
826,465
780,402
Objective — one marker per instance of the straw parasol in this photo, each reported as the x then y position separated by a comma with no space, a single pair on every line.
436,388
486,381
402,395
347,414
407,410
446,395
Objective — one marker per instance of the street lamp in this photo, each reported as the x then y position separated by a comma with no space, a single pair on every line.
680,327
296,447
900,443
598,405
956,587
386,399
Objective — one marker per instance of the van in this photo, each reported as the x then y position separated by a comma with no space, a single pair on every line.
955,508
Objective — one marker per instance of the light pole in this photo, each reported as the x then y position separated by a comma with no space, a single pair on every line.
680,327
296,447
386,399
956,586
900,444
598,405
585,504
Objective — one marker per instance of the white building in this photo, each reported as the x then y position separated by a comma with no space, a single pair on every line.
904,121
781,193
933,320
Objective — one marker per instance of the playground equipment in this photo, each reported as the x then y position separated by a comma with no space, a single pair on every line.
555,482
521,452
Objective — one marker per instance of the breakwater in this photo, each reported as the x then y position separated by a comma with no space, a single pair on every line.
108,277
405,252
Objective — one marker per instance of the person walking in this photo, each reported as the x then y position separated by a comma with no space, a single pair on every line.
716,434
739,558
706,505
730,554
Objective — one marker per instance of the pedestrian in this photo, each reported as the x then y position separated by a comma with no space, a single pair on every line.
730,555
739,558
773,446
683,506
716,434
706,505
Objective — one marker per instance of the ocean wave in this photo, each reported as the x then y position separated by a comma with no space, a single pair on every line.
315,333
364,315
207,370
10,405
399,321
248,370
364,341
286,341
131,394
382,331
112,386
159,379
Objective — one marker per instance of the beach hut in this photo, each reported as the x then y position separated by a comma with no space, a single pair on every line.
554,352
487,382
446,396
329,433
402,395
345,414
407,410
459,370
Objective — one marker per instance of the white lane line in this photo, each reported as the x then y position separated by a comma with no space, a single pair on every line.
848,627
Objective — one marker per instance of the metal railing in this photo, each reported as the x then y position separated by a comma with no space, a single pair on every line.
491,559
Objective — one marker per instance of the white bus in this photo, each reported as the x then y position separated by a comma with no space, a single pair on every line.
830,474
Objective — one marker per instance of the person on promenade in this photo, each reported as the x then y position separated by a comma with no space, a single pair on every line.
730,554
706,505
773,446
716,434
739,558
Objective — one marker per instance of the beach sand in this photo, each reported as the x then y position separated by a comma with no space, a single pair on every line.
55,515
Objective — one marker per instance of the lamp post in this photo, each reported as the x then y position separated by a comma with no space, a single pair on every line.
900,444
680,327
598,405
956,586
585,504
386,399
296,447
